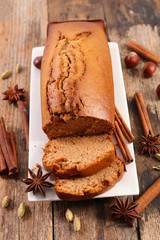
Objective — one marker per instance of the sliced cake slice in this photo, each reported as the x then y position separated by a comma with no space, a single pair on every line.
83,156
79,188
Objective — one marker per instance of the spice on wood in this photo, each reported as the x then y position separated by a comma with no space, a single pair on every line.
8,155
16,94
125,209
142,51
37,181
22,106
147,197
11,137
3,164
131,211
149,142
6,147
146,125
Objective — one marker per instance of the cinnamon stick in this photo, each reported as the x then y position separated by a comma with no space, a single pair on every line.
6,148
146,125
11,137
3,165
147,197
123,126
122,144
144,52
22,106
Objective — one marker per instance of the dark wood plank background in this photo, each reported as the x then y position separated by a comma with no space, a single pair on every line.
22,27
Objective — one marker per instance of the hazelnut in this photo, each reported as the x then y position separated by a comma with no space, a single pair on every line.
131,60
37,62
149,69
158,91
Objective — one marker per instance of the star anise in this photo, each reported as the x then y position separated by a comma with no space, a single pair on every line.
126,210
149,144
36,182
14,94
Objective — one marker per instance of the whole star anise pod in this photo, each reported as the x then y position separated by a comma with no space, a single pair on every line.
14,94
125,210
37,182
149,144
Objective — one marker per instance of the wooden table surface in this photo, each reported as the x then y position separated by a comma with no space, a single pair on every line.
23,26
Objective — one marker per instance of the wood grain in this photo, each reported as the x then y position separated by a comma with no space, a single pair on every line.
60,10
142,27
22,27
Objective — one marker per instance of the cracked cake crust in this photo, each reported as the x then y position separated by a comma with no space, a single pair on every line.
70,58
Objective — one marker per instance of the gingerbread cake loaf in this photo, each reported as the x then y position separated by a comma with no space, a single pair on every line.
77,96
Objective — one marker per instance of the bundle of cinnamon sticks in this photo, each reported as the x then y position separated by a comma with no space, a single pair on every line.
8,155
121,130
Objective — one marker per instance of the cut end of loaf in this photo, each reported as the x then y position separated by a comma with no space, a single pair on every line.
78,155
81,126
90,186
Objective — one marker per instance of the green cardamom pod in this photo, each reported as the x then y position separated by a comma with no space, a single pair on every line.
157,168
157,155
21,210
69,215
18,68
5,201
76,223
6,74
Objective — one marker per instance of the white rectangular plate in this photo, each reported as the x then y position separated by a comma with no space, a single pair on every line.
128,185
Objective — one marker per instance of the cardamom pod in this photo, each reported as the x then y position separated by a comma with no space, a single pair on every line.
157,155
21,210
6,74
69,215
5,201
76,223
157,168
18,68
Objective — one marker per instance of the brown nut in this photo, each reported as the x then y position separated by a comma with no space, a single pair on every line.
158,91
149,69
37,62
131,60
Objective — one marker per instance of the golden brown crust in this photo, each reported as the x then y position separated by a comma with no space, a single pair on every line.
91,103
94,192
